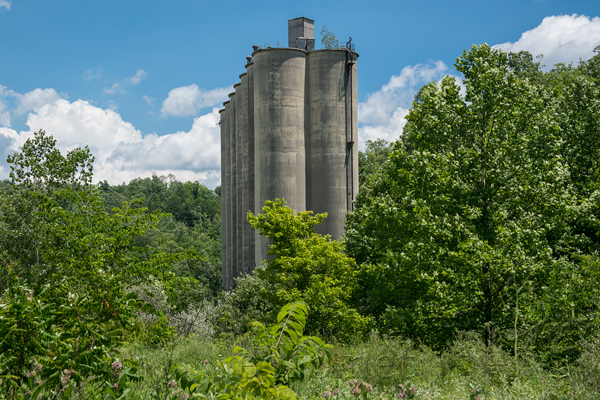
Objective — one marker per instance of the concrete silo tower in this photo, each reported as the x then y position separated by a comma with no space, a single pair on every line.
288,131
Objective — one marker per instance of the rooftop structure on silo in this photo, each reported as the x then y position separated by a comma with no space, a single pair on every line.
301,33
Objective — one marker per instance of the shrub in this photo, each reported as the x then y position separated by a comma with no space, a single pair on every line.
54,345
308,267
283,355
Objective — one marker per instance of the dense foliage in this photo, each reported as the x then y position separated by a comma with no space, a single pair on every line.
371,159
68,272
303,265
282,355
194,223
481,216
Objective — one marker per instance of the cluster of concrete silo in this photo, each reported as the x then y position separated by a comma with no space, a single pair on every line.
288,131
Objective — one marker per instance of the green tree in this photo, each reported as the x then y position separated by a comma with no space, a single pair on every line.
591,67
188,202
328,39
523,66
66,266
372,158
303,265
458,232
54,229
571,312
579,120
193,227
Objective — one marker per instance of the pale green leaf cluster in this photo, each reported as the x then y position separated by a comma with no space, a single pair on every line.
303,265
328,39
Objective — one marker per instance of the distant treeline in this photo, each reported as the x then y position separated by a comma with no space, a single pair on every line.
194,223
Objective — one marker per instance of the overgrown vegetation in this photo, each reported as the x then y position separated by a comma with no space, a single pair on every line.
469,268
484,218
305,266
328,39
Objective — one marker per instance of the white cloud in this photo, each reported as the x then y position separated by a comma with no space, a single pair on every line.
79,123
118,87
35,99
149,100
4,113
113,89
112,105
121,151
137,78
559,38
382,115
10,141
188,100
5,3
193,155
92,73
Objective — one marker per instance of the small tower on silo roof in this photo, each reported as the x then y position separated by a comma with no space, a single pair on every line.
301,33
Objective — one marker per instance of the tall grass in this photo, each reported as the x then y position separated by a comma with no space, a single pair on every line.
466,370
155,362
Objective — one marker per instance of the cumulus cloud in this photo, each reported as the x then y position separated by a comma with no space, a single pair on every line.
192,155
560,39
137,78
35,99
4,115
121,151
79,123
5,3
381,115
188,100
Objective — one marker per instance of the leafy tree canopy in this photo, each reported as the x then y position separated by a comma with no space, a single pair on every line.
66,266
303,265
372,158
464,226
54,227
194,224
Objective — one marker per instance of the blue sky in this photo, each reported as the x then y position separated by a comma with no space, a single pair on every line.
141,82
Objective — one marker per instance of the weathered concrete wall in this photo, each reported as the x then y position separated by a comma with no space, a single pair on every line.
279,79
251,263
242,151
234,190
240,103
225,196
352,108
329,134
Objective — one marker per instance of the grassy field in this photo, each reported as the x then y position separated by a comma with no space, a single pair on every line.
467,370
